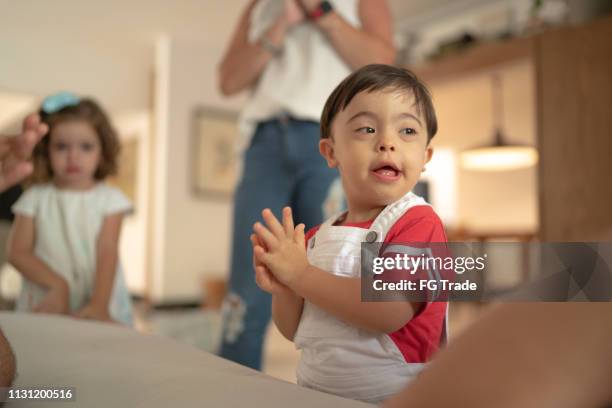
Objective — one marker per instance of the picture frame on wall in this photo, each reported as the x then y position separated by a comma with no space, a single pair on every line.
214,164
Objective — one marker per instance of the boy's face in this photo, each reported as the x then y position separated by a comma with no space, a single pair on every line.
379,145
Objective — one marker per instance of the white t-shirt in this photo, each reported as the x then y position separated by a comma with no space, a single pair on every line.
299,81
67,224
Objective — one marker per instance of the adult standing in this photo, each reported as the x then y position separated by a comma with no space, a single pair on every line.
290,54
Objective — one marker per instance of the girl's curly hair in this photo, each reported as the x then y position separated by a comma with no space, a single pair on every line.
86,110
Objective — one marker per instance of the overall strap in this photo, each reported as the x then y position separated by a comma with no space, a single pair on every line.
389,216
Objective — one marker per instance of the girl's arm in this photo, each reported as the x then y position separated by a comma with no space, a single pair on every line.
243,61
107,250
106,261
370,44
20,251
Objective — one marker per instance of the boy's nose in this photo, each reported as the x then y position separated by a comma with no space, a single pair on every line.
386,145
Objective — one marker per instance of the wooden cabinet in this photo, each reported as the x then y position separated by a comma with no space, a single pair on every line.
573,103
574,111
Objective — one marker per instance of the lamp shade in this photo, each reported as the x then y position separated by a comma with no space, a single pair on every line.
499,156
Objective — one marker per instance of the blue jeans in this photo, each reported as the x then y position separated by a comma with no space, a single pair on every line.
282,166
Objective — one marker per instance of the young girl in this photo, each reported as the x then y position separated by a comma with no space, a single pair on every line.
65,238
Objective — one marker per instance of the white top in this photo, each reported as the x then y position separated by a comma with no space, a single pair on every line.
339,358
67,224
299,81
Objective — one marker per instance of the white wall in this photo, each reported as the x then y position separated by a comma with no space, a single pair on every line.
134,233
192,234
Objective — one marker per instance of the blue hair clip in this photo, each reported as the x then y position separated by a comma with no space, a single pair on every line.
58,101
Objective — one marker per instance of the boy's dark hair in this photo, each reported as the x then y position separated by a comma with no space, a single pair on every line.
86,110
377,77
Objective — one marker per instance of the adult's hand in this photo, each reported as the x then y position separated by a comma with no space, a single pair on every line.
372,43
8,366
309,4
294,12
545,355
16,150
244,61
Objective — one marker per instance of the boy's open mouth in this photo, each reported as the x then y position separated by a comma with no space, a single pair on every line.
386,171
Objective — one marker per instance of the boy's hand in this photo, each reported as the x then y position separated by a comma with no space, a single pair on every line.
285,252
263,277
55,301
92,311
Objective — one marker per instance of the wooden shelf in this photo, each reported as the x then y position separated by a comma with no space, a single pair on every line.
478,57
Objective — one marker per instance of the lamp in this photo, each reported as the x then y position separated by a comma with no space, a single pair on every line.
500,155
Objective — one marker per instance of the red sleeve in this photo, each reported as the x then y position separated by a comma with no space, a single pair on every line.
416,228
418,224
420,227
420,337
310,233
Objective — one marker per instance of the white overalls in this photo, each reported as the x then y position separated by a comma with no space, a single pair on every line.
336,357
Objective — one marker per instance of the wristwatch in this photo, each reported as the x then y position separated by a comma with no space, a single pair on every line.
322,9
267,45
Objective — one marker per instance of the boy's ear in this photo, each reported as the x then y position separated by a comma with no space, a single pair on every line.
326,148
428,154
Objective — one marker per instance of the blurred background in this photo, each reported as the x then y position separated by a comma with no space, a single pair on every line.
522,89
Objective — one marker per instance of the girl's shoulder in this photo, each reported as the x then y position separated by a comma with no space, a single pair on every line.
38,191
112,199
33,199
103,188
40,188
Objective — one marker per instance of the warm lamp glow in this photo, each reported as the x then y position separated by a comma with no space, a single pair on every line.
499,158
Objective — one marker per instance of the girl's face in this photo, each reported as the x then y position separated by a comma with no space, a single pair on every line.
74,153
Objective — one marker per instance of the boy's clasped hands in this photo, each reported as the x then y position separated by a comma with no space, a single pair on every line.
279,252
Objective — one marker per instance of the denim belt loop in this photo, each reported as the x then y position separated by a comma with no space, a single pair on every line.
284,118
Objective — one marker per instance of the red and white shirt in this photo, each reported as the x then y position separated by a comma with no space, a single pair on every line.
344,360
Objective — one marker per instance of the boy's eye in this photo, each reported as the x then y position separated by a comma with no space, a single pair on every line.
408,131
366,129
60,146
87,146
